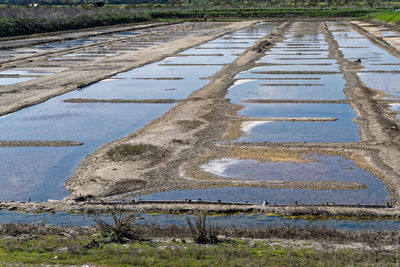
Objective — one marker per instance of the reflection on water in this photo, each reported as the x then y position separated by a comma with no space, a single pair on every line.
140,89
156,70
39,173
333,67
303,131
395,106
272,195
341,130
373,58
295,110
322,168
9,81
385,82
324,89
25,72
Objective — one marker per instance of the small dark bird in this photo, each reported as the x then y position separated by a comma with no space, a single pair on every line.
357,60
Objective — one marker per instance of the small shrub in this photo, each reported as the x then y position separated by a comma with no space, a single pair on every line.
122,229
200,232
126,150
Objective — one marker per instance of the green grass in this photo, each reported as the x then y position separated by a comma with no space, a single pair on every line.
389,17
62,250
124,151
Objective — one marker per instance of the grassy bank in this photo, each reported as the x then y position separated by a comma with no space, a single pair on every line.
23,21
387,17
162,252
174,246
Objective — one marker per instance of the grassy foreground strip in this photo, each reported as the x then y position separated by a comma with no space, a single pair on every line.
30,21
79,250
126,243
389,17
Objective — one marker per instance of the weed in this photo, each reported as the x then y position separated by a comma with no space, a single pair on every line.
126,150
122,229
390,17
200,232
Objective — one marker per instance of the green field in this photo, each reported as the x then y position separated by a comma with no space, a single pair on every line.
54,249
389,17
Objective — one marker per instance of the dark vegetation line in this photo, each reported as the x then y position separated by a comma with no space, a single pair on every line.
16,21
125,243
146,231
388,17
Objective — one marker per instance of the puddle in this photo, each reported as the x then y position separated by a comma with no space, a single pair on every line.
70,59
272,59
295,110
140,89
272,195
133,45
54,120
67,44
395,107
38,173
128,33
26,72
301,67
9,81
341,130
387,34
324,168
301,132
155,70
225,59
373,57
331,88
299,54
385,82
90,55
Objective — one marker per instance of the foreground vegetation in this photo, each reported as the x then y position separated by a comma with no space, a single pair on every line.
77,250
22,20
123,242
388,17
